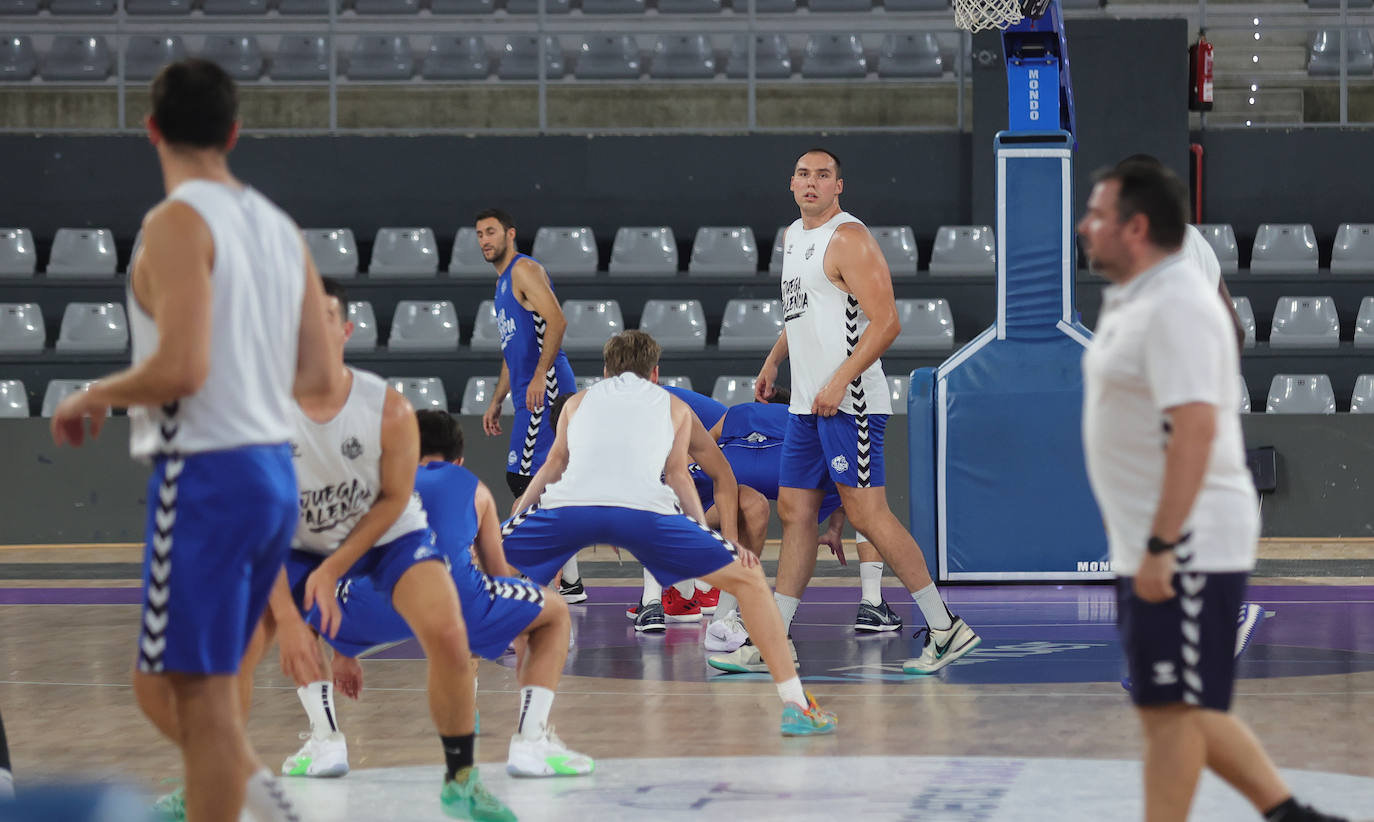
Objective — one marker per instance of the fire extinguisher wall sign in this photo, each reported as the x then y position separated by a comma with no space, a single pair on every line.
1200,74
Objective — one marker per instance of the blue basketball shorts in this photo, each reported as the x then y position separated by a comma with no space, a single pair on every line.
673,547
219,526
759,468
531,437
846,449
1182,649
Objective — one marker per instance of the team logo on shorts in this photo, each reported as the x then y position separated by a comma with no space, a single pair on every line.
423,552
1165,673
839,464
510,458
352,448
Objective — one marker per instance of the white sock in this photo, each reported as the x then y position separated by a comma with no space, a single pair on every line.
535,704
871,582
265,800
933,608
570,572
318,699
6,784
687,588
791,691
701,586
788,607
653,592
727,604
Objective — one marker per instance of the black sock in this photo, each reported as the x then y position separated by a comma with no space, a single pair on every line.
4,748
1283,811
458,751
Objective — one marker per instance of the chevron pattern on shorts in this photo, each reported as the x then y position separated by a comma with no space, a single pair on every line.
537,416
864,452
514,589
514,522
152,640
1190,601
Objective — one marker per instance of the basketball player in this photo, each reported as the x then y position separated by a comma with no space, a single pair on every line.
534,368
226,313
1166,461
356,446
617,474
833,278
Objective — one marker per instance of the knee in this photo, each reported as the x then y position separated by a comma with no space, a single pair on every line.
555,609
444,640
792,510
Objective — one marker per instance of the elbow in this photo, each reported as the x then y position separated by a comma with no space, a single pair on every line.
186,381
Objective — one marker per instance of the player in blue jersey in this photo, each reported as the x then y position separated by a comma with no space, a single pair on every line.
534,369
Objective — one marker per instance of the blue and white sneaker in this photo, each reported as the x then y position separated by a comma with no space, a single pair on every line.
942,647
807,720
1251,615
877,618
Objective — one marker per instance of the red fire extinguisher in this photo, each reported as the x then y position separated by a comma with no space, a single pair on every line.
1200,74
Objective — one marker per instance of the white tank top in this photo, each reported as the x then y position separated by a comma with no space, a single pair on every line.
824,324
258,282
338,470
618,441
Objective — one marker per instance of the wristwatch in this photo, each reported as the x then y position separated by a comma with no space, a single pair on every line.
1160,546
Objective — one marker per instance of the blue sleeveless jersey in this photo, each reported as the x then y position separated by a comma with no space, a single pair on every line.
707,410
522,341
755,424
447,492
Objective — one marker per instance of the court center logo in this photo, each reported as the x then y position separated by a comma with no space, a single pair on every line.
351,448
840,464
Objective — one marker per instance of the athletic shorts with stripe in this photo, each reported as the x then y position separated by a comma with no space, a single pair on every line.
673,547
219,526
845,449
757,467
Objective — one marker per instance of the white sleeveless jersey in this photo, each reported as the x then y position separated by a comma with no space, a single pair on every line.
824,324
618,441
258,283
338,470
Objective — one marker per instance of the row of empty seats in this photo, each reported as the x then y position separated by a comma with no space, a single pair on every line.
407,7
1307,322
1324,53
305,58
1291,248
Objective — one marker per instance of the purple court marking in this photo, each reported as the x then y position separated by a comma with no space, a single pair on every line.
71,596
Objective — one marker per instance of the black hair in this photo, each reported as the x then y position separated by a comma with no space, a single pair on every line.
781,394
440,435
1157,193
334,288
195,103
507,222
839,168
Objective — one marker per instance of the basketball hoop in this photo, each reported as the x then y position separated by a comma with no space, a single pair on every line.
978,15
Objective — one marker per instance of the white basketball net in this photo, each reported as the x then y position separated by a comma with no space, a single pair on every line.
977,15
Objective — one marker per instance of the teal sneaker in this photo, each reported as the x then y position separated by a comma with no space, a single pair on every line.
465,797
808,720
171,807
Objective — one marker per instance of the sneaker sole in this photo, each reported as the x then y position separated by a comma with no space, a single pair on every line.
731,668
332,773
708,610
519,774
797,731
573,599
682,617
1247,630
952,656
651,629
876,629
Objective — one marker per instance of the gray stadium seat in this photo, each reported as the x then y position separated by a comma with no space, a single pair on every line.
241,57
145,54
82,6
677,325
1244,395
644,250
1353,250
772,57
82,252
17,255
1300,394
462,6
591,323
466,259
964,250
676,382
1335,4
334,250
587,382
386,6
18,60
318,7
301,58
381,57
566,249
424,393
456,57
21,328
910,55
93,327
1222,238
898,386
775,261
58,390
1324,53
915,5
608,57
217,7
477,397
404,252
926,325
17,7
532,6
898,243
767,6
74,57
158,7
1305,322
689,6
486,335
519,58
733,390
724,250
750,325
840,5
834,56
14,399
682,57
1361,399
613,6
1284,248
1246,312
364,321
1364,324
424,325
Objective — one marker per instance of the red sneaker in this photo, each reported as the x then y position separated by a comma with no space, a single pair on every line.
708,600
678,608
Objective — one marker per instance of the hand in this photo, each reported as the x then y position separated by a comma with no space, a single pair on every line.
491,420
69,420
828,399
300,653
320,588
763,383
1154,582
746,558
348,676
534,395
832,540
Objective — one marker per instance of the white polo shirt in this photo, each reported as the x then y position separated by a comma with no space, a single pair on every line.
1164,340
1199,251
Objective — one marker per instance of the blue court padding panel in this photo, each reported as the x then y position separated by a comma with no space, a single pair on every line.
920,421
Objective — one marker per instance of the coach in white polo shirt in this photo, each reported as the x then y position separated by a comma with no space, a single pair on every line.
1166,459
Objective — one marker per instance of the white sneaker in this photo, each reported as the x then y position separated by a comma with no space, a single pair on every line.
545,756
746,659
942,647
319,758
726,634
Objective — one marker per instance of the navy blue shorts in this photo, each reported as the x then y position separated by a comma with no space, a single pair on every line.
845,449
219,526
673,547
1183,649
